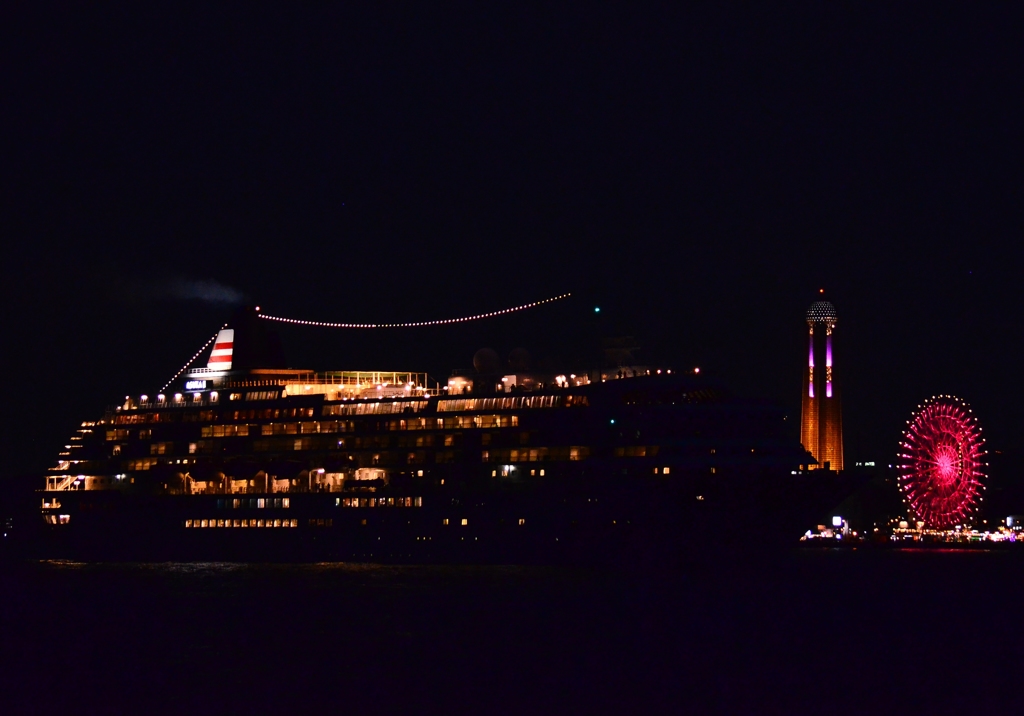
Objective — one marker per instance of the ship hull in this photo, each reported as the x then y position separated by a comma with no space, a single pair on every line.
597,518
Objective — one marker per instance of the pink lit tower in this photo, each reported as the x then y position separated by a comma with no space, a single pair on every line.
821,421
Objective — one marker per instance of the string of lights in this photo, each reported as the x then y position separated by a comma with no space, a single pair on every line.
192,359
416,324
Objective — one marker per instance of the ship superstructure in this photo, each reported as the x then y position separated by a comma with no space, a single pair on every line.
235,460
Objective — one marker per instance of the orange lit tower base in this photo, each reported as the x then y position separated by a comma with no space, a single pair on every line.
821,420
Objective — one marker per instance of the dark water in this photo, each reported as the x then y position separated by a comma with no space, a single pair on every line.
798,632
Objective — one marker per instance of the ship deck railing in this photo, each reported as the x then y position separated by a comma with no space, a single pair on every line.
59,483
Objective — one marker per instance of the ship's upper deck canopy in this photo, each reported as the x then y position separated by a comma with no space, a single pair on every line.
334,385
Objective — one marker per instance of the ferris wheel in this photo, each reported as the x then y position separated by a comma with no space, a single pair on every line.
941,470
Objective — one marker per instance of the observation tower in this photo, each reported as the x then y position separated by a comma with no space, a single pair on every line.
821,420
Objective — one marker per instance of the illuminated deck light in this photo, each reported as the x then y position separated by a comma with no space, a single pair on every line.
193,358
414,324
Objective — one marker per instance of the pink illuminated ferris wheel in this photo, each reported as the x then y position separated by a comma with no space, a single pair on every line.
941,463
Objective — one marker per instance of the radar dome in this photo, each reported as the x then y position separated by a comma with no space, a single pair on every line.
821,312
486,361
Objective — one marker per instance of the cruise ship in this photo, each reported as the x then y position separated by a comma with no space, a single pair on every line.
247,459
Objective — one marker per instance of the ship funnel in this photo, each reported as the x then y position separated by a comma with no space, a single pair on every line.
223,348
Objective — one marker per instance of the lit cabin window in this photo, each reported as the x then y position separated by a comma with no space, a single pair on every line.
665,470
511,403
522,521
464,522
376,408
445,520
160,448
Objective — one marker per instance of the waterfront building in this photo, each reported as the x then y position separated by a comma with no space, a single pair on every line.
821,419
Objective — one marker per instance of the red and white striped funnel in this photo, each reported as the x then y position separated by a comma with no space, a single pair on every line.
220,358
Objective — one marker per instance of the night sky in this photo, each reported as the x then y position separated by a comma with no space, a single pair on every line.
698,177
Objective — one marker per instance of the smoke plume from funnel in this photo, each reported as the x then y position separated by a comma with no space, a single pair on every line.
208,291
